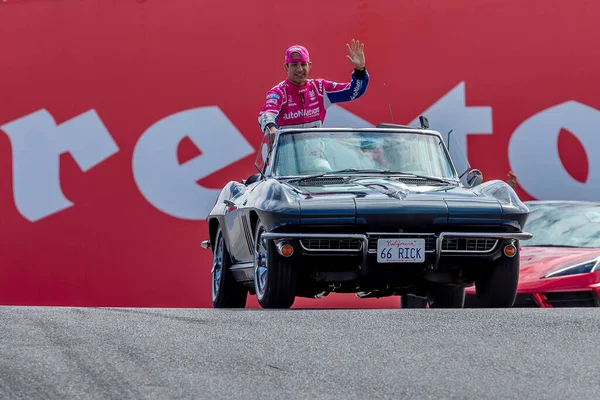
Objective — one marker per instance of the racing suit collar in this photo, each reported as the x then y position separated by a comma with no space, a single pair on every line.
299,88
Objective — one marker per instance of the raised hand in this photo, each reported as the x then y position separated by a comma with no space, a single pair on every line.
511,179
356,54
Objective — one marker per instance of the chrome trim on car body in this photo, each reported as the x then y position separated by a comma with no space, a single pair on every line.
439,238
362,238
346,250
482,235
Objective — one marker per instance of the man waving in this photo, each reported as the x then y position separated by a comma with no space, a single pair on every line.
300,102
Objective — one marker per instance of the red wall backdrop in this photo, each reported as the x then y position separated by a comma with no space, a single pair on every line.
135,63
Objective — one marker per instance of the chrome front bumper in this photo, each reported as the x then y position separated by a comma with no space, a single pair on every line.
364,239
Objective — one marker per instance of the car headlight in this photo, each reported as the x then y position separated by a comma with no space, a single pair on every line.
579,268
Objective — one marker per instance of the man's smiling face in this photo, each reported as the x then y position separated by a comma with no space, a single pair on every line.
297,71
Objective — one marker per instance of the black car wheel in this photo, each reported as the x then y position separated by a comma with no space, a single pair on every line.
412,301
226,292
274,275
497,285
447,297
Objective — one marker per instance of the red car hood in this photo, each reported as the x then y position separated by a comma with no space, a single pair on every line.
538,261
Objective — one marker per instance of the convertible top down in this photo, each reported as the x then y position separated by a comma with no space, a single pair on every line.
372,211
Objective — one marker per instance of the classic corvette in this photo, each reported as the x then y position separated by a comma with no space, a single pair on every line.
371,211
560,265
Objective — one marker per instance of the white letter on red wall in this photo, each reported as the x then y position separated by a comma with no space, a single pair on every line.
172,187
37,143
534,157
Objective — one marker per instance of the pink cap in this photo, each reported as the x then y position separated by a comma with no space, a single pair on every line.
301,50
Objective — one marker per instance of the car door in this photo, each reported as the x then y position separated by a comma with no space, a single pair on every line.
238,213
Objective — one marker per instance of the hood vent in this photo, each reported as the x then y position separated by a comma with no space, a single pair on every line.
334,180
414,181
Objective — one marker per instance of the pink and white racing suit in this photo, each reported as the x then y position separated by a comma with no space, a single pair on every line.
291,106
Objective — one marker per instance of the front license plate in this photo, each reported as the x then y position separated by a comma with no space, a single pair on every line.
401,250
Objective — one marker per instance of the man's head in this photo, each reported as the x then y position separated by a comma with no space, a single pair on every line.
402,154
369,143
371,146
297,64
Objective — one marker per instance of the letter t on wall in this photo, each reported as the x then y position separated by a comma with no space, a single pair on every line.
37,143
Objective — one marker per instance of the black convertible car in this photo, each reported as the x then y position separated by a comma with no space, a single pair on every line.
372,211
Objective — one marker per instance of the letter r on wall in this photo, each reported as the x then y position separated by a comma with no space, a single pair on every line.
37,143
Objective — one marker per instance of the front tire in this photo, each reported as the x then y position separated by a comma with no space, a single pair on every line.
274,275
412,301
226,292
447,297
497,286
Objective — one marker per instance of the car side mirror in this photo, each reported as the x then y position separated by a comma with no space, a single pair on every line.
251,179
474,177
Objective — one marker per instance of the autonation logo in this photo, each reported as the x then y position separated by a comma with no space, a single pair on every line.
301,113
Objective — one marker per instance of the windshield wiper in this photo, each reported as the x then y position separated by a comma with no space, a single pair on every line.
427,177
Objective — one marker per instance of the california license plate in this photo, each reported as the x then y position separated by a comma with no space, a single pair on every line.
401,250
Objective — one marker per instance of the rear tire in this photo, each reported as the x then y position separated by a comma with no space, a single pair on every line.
274,275
226,292
496,287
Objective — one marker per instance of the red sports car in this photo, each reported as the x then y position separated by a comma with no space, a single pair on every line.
560,265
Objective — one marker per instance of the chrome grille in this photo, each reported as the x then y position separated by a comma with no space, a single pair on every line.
449,244
468,245
341,245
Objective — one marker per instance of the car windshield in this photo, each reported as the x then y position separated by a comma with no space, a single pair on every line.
309,153
563,225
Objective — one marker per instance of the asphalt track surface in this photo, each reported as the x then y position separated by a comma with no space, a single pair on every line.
115,353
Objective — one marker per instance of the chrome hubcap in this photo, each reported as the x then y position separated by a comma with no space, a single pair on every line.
261,266
217,268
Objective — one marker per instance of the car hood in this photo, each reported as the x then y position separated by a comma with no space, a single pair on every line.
538,261
383,202
381,188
